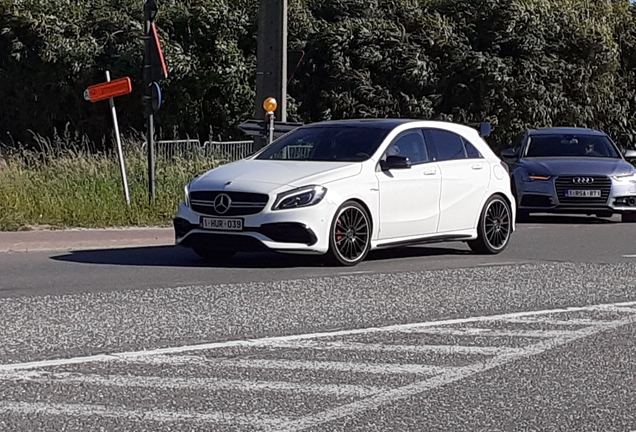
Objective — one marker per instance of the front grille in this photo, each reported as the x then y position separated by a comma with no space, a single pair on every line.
602,183
241,203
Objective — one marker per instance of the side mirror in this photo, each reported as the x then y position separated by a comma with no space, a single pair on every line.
395,162
509,154
630,154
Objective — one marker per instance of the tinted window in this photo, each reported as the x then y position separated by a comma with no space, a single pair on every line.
410,144
516,145
449,145
570,146
317,143
471,150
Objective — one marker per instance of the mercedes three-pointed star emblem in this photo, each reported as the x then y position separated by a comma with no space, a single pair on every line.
222,203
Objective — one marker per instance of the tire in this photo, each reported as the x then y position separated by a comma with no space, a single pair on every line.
494,229
213,255
628,217
350,235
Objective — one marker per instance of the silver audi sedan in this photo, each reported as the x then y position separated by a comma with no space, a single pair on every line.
571,170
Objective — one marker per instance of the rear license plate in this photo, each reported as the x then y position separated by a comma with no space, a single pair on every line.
222,224
577,193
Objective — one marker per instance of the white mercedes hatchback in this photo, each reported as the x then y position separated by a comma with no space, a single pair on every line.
343,188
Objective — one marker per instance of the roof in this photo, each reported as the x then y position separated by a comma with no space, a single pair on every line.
565,131
386,124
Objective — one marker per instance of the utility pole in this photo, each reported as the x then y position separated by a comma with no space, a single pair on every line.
271,65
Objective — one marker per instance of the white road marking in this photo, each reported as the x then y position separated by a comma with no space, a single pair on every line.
85,410
351,273
451,376
629,256
349,367
208,384
368,347
493,333
566,322
268,340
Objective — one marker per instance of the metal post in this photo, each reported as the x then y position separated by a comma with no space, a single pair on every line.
271,126
120,151
271,63
150,9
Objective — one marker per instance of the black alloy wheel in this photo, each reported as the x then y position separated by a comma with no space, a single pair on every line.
350,235
495,227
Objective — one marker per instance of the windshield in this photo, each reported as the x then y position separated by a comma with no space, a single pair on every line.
339,144
570,146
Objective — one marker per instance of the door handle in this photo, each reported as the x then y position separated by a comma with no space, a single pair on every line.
430,172
477,166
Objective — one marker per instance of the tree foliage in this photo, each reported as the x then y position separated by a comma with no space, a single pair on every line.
516,63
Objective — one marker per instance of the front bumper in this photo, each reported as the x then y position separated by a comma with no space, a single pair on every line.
543,197
301,230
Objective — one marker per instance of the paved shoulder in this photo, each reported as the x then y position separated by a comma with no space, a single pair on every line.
73,239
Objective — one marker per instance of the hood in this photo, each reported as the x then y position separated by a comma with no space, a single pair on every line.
263,176
577,166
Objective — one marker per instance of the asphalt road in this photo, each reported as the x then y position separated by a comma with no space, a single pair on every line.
540,337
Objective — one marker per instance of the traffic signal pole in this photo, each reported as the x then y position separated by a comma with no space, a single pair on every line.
271,63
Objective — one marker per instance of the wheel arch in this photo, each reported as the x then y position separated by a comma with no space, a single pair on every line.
365,207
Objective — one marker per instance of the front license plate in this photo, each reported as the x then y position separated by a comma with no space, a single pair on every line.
577,193
222,224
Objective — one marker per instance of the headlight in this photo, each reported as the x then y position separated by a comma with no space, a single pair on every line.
186,191
535,177
625,177
301,197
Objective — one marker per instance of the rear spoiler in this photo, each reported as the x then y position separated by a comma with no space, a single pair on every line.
484,128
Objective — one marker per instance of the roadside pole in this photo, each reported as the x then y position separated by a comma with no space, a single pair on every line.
150,11
120,151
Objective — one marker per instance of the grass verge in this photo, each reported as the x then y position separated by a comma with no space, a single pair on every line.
71,188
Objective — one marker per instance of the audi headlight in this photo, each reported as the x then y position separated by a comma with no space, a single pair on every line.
186,191
631,177
301,197
536,177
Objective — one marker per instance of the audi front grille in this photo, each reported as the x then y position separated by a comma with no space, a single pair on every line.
583,182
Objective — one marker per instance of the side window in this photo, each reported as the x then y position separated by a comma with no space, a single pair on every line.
410,144
518,142
471,150
448,144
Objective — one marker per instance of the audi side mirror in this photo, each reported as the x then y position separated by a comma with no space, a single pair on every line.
630,154
509,154
395,162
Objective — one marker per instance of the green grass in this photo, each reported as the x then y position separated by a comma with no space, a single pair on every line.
71,188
